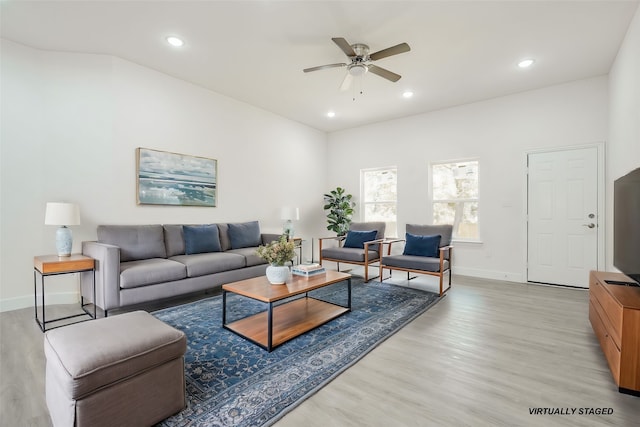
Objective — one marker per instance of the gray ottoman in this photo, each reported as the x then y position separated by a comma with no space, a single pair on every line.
125,370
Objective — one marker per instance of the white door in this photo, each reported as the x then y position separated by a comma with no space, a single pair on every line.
562,229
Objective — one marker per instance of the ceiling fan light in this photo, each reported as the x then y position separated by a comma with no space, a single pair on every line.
357,70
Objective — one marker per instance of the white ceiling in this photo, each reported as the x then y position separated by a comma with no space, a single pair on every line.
254,51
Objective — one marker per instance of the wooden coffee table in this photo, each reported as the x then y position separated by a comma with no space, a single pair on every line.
282,322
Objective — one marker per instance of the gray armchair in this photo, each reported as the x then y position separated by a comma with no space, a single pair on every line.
436,261
365,251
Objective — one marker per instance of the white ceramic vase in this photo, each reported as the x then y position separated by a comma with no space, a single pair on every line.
277,274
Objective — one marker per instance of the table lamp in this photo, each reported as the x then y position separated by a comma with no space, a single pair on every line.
62,214
289,214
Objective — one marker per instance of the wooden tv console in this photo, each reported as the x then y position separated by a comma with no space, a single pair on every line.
614,313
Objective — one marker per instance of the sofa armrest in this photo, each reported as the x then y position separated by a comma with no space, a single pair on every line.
107,274
377,244
373,242
269,237
332,238
339,239
445,252
389,243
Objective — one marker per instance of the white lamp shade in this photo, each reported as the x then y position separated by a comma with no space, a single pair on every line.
62,214
290,213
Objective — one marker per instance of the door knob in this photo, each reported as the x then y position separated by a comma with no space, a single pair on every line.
591,225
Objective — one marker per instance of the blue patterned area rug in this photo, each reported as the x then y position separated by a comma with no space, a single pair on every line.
233,382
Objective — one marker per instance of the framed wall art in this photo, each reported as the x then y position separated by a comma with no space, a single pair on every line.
165,178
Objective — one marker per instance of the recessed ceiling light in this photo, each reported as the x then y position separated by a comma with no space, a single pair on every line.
407,94
526,63
175,41
331,114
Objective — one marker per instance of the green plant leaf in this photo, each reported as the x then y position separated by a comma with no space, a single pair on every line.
340,207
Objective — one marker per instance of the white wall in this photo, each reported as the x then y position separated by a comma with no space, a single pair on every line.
70,127
71,123
624,117
498,132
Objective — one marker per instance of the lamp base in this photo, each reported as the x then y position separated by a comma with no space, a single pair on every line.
288,229
64,241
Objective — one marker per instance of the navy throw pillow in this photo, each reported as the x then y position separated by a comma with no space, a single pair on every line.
356,239
201,238
245,235
422,245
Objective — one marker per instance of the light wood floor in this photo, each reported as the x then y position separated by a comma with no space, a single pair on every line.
486,354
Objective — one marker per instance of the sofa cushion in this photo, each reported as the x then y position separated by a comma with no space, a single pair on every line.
135,241
245,235
201,239
445,230
413,262
380,226
250,255
134,274
223,230
348,254
356,239
173,239
209,263
422,245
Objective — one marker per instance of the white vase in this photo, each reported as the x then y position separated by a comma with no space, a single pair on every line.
277,274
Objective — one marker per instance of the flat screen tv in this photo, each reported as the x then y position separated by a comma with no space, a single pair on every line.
626,224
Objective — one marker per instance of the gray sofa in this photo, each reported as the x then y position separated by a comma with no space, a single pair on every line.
138,264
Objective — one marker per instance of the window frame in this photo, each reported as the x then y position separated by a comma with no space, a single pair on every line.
432,201
364,203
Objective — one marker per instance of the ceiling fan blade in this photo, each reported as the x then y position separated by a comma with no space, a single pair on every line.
344,45
394,50
322,67
346,83
384,73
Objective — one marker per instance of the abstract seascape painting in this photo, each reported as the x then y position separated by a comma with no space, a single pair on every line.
175,179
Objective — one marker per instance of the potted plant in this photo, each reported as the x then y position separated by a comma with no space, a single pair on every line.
277,254
340,207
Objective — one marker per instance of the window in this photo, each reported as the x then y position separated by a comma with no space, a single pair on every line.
455,197
379,192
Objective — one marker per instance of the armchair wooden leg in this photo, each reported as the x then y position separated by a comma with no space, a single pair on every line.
381,274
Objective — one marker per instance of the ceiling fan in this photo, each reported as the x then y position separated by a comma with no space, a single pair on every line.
361,60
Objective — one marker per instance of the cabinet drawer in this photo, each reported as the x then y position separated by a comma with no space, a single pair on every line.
611,310
611,352
606,322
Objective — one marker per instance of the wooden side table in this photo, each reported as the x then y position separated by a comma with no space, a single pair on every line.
51,265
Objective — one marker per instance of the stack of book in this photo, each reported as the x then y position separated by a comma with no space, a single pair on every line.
307,270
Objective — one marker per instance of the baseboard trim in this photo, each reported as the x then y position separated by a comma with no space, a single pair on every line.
489,274
17,303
